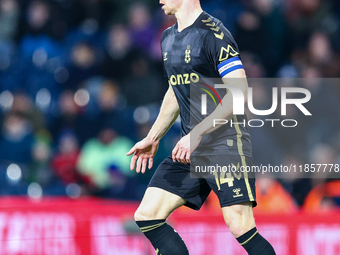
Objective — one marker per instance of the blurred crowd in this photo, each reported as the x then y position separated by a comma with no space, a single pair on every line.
82,80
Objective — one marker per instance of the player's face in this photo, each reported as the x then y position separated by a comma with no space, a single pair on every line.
170,7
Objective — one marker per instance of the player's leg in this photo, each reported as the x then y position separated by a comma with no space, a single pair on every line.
241,222
236,192
170,187
157,204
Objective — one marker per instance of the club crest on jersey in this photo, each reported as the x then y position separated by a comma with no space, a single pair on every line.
187,57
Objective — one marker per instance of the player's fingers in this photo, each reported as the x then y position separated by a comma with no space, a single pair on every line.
150,163
182,157
144,162
178,155
139,163
131,151
187,158
174,153
133,162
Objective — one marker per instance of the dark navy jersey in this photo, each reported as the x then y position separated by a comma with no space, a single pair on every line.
192,58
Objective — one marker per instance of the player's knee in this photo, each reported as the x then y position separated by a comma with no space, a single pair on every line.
237,229
239,219
240,225
142,215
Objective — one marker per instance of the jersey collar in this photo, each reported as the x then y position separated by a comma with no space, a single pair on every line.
185,30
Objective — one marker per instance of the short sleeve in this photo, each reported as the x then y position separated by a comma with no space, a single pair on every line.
222,51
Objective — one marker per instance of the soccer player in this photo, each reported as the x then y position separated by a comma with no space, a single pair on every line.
198,46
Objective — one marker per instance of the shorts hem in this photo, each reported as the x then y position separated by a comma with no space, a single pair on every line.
254,203
190,203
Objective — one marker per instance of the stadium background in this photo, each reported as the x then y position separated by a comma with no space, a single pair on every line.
82,80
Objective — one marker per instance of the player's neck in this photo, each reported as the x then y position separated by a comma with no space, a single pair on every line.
187,16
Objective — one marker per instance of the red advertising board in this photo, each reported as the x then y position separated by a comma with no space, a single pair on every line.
105,227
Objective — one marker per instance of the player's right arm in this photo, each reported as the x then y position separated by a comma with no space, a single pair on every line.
146,149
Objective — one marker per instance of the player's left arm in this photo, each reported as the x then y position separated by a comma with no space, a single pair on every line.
190,142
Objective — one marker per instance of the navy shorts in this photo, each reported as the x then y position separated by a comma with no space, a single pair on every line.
231,186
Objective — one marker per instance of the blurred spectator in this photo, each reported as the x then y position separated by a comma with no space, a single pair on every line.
270,26
9,19
44,18
306,16
141,28
112,110
253,65
99,11
42,31
16,139
66,157
68,112
322,154
116,64
324,197
72,117
250,33
84,64
22,104
142,79
320,128
64,162
40,171
10,68
320,50
322,56
271,197
104,163
295,182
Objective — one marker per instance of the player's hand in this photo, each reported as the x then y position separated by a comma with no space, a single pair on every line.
184,148
143,151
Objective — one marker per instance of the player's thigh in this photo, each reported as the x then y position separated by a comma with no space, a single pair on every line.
157,204
239,218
